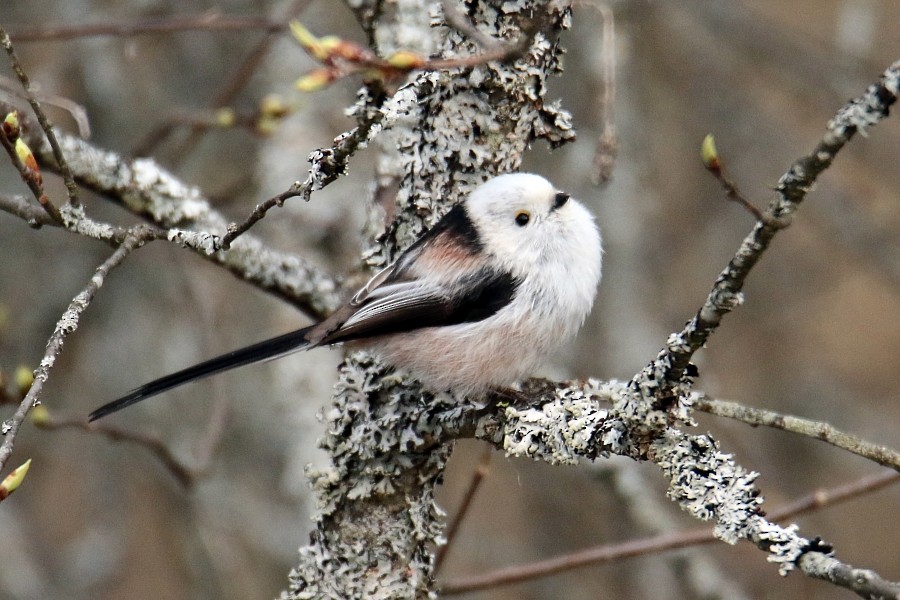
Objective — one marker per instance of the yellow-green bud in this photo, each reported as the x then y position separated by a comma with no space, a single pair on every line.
308,41
24,377
314,80
225,117
12,481
40,416
405,60
708,153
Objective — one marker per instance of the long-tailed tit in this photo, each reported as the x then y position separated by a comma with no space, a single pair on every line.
498,284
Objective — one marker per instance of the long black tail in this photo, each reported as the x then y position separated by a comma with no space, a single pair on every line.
272,348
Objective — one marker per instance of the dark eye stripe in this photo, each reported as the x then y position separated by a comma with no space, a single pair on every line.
560,199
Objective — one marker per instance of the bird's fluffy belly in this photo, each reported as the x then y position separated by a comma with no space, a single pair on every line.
466,358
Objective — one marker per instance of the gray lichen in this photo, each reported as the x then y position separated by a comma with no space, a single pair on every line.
595,419
148,189
440,134
388,441
377,520
459,127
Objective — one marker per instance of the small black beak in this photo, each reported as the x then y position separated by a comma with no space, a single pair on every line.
560,199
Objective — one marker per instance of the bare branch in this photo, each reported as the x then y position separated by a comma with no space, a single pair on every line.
209,21
829,497
815,429
568,562
185,475
32,214
71,188
715,165
327,165
148,190
858,115
66,325
607,143
659,543
481,471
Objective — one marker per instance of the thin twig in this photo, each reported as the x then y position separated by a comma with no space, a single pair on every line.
607,144
75,110
235,230
568,562
815,429
241,75
481,471
204,22
327,166
716,166
859,114
828,497
173,206
32,214
185,475
31,177
660,543
67,324
71,188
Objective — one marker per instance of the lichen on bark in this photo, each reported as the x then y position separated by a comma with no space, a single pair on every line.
444,133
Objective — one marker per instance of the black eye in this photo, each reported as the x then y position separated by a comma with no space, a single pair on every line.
560,199
522,218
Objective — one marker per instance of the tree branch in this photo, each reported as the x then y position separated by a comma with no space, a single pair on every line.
66,325
209,21
386,452
184,474
71,188
815,429
857,116
146,189
327,165
659,543
32,214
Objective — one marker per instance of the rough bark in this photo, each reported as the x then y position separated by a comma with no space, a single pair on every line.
445,132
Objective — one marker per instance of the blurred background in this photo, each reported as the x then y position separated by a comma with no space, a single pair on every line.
819,335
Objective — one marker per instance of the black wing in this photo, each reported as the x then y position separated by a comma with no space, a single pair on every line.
406,305
272,348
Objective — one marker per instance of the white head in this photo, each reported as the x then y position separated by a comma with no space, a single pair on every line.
526,224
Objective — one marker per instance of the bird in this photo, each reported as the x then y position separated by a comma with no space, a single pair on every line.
479,301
